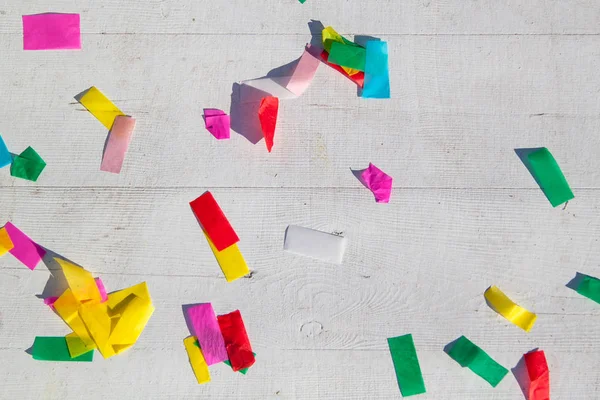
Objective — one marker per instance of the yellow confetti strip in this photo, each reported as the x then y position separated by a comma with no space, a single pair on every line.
329,35
100,107
509,310
231,261
197,360
6,244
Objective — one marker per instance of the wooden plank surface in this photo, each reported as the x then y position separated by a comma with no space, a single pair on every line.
471,81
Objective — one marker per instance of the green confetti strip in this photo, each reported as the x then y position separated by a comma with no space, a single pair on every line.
590,288
467,354
406,364
348,56
549,177
27,165
49,348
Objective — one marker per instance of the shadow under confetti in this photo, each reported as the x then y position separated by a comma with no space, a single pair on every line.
80,95
358,175
243,113
57,283
449,346
576,281
316,30
523,154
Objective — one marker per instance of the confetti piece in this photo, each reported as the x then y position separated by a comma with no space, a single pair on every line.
206,328
236,339
24,249
358,78
242,371
6,244
406,364
467,354
213,221
217,123
27,165
590,288
76,346
51,31
303,73
349,56
504,306
378,182
315,244
377,75
117,144
101,289
67,307
100,107
197,360
267,114
55,349
330,36
539,375
230,260
82,284
5,156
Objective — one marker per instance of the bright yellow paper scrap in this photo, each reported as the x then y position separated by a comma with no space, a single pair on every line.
509,310
76,346
131,322
197,360
100,107
140,290
80,281
231,261
329,35
67,307
6,244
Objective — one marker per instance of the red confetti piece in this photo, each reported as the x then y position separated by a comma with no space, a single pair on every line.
539,375
236,340
214,222
267,114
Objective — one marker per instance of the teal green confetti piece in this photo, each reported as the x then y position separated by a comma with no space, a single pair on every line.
27,165
348,56
467,354
590,288
48,348
548,176
377,74
406,364
5,156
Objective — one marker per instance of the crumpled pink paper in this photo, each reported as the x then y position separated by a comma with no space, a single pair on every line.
217,123
378,182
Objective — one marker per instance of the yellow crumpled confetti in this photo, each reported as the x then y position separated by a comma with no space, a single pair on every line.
6,244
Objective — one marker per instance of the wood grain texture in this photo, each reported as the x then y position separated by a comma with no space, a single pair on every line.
471,81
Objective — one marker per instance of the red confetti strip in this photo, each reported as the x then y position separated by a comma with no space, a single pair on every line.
236,340
358,78
267,114
214,222
539,375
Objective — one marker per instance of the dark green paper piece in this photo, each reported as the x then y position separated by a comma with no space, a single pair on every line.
467,354
49,348
549,177
406,364
27,165
348,56
590,288
243,371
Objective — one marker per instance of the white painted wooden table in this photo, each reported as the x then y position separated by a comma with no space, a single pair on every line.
471,81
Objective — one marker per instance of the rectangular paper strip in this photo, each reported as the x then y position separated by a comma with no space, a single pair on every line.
590,288
406,364
315,244
549,177
55,349
100,107
6,244
509,310
467,354
377,75
304,73
236,339
25,249
348,56
206,329
117,145
328,36
539,375
51,32
230,260
214,222
197,360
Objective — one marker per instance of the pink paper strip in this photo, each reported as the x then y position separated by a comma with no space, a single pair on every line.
203,319
378,182
217,123
51,32
25,250
118,143
304,73
101,289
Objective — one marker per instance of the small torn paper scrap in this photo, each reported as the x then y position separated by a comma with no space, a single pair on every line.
117,144
406,364
467,354
51,31
214,222
5,156
267,114
24,249
504,306
206,329
100,106
230,260
55,349
349,56
316,244
377,182
217,123
539,375
236,339
197,360
590,288
6,244
377,74
358,78
27,165
101,289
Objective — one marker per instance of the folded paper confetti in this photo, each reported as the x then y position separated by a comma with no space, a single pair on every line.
330,36
316,244
358,78
377,182
303,73
5,156
267,115
197,360
27,165
236,340
206,328
406,364
230,260
100,107
539,375
509,310
590,288
377,75
6,244
467,354
117,144
349,56
55,349
217,123
214,222
549,177
51,31
24,249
